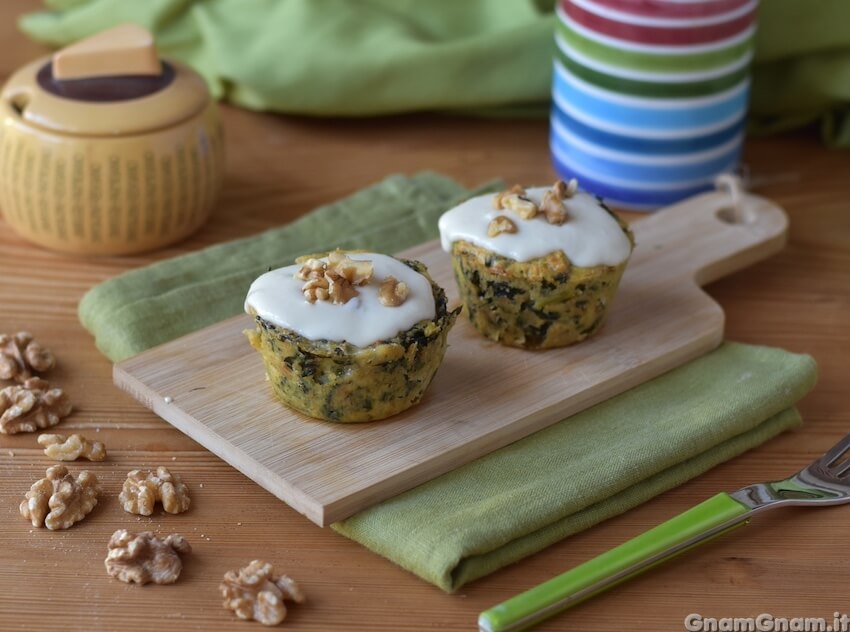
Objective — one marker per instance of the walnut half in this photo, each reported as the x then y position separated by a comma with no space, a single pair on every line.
254,593
516,199
312,269
60,448
316,289
516,190
500,224
21,356
565,190
32,405
354,271
340,289
335,280
393,292
144,488
144,558
58,501
553,208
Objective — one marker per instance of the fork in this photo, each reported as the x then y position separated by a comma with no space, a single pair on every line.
825,482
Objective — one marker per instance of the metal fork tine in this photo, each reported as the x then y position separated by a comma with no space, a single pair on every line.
841,470
829,459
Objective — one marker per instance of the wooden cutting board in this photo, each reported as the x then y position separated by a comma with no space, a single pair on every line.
210,384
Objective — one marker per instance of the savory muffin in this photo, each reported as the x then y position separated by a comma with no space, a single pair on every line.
349,336
536,268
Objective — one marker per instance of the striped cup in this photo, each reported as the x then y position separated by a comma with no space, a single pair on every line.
649,96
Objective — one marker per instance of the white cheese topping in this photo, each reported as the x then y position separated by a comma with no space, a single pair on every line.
590,237
277,297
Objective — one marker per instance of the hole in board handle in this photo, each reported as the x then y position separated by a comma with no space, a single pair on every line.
732,215
737,211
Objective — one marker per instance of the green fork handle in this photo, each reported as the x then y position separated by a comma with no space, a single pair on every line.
709,519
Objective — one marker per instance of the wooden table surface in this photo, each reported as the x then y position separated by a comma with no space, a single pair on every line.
792,563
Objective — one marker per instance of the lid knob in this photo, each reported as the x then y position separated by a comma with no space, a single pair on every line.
127,49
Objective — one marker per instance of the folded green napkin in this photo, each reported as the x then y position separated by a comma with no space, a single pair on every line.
523,497
589,467
366,57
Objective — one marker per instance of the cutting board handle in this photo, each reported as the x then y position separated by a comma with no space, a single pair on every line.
709,236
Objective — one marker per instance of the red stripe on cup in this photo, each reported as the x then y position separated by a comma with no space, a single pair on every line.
661,9
654,35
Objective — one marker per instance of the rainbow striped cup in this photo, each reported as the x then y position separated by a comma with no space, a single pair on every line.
650,96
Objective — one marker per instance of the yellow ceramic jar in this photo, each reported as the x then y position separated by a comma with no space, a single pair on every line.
108,165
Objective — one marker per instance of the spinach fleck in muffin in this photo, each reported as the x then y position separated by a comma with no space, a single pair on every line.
536,268
348,342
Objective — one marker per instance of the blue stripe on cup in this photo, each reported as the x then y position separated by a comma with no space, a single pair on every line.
629,196
646,145
645,117
670,170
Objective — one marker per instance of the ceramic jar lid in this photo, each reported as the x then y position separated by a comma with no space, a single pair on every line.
108,85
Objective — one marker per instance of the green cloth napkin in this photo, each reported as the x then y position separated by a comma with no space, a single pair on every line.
589,467
367,57
521,498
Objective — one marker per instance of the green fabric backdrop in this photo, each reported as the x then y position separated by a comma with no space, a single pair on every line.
369,57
